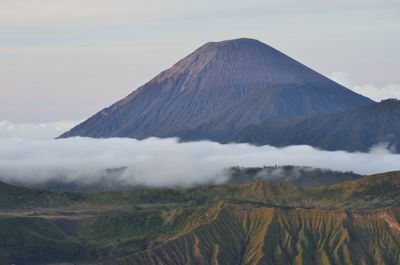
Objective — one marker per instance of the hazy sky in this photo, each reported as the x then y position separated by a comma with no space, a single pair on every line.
67,59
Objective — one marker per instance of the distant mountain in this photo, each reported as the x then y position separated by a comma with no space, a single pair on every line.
355,130
218,90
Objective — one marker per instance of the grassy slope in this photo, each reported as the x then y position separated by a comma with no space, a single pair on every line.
256,223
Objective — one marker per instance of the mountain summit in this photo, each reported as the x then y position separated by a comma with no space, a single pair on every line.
219,89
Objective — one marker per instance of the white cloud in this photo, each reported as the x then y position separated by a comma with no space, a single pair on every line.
369,90
378,93
34,130
163,162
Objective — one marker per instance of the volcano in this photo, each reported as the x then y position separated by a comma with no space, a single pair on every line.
218,90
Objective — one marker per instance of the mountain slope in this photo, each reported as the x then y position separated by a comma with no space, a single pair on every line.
355,130
259,235
220,88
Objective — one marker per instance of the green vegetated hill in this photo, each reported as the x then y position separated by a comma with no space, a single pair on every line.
298,175
263,222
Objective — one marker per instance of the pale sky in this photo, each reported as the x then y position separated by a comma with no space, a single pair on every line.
67,59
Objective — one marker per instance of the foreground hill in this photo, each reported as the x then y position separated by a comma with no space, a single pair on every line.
272,222
263,235
218,90
355,130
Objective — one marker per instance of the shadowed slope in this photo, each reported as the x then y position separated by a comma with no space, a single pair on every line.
355,130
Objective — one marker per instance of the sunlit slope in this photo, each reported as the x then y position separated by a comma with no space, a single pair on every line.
243,234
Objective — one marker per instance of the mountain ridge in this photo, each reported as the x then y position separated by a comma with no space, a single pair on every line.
356,130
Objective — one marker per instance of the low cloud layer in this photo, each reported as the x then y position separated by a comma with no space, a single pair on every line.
368,90
163,162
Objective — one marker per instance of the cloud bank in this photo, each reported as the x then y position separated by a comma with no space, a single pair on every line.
163,162
369,90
